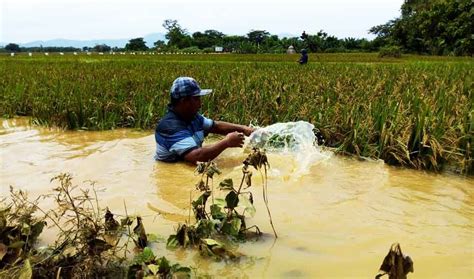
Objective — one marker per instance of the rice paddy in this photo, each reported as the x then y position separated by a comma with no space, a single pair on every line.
414,111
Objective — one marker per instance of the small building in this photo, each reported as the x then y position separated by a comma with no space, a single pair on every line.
218,49
290,50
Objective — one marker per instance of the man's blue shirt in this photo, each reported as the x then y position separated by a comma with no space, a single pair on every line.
175,137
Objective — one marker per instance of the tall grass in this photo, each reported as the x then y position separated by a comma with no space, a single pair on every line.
410,112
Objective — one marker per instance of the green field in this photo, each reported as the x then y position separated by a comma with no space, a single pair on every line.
416,111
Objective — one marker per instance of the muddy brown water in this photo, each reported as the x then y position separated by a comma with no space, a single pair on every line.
337,220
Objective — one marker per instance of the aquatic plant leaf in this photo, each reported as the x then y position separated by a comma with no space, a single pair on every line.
153,268
216,212
232,200
248,205
205,250
211,247
26,272
164,266
201,200
3,250
155,238
211,242
220,202
236,225
172,242
226,184
232,227
205,228
146,256
180,271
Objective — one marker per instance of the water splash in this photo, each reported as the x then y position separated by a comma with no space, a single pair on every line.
295,142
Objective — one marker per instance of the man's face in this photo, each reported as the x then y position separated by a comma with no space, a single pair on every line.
191,105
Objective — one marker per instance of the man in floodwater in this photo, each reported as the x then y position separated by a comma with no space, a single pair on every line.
181,131
304,57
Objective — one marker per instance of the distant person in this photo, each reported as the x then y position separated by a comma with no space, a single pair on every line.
304,57
180,133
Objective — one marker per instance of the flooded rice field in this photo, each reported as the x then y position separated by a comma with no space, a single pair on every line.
336,217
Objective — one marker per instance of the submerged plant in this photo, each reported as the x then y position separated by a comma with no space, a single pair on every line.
395,264
221,219
90,243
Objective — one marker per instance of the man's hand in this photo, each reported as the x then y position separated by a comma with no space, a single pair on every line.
234,139
248,130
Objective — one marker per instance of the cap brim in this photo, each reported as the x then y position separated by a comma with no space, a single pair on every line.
204,92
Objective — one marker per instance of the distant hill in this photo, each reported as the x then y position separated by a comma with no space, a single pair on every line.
149,39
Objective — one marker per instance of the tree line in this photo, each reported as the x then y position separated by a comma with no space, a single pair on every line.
437,27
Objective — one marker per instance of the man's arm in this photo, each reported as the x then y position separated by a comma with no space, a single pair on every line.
223,128
209,152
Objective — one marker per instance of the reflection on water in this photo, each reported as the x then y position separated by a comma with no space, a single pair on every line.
336,221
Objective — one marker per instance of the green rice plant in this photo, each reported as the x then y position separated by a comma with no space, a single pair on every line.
414,111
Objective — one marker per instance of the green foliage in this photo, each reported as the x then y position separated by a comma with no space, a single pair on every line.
220,219
102,48
433,27
176,35
208,39
19,230
12,47
137,44
364,105
147,264
258,36
192,49
390,51
87,244
159,44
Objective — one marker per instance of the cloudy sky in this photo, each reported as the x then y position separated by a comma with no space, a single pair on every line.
23,21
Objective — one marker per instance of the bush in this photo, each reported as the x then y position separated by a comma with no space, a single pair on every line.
390,51
192,49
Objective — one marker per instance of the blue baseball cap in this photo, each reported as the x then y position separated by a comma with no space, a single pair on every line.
187,86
